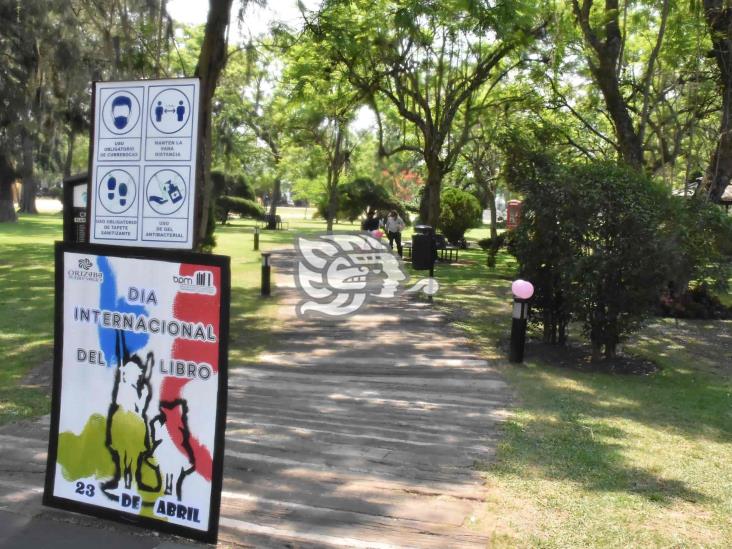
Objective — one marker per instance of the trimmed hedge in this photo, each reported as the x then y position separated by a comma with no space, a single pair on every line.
241,206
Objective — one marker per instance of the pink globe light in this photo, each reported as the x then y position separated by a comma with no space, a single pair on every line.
523,289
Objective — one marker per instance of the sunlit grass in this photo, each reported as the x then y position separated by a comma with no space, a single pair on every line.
26,277
26,322
598,460
587,459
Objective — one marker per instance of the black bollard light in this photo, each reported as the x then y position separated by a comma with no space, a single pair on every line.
266,271
256,238
522,292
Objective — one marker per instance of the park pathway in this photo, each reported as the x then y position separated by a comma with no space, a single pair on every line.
357,433
360,432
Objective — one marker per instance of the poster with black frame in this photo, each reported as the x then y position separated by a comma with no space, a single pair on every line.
139,386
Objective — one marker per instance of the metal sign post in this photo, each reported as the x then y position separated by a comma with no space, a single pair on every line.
266,273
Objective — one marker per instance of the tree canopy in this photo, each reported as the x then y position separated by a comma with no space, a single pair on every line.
443,83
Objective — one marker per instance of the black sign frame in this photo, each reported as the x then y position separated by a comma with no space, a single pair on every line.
171,256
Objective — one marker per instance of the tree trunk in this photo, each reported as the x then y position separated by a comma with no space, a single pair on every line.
611,349
630,145
719,171
596,351
7,177
550,328
332,209
276,196
429,206
30,185
562,339
211,62
494,214
604,70
70,154
334,174
159,40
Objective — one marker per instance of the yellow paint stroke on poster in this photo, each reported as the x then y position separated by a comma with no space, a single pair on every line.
85,455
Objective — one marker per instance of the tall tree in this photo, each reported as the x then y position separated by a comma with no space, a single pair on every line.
211,62
602,30
326,127
428,59
483,160
264,110
19,47
322,104
718,15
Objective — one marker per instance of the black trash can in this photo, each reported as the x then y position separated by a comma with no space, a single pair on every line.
423,248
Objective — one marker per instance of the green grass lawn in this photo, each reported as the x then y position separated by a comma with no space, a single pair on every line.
588,459
26,276
26,322
599,460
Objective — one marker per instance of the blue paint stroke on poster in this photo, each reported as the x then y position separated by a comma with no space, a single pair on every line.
109,301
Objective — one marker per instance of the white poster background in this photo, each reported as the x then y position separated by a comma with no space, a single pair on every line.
87,385
143,173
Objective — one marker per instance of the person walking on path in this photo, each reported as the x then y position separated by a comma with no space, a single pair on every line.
370,223
394,227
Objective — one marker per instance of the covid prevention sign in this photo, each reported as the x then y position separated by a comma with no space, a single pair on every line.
143,163
139,389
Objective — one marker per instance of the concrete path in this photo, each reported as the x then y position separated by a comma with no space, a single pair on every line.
360,433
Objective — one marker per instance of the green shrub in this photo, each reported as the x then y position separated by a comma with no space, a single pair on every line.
56,192
539,243
589,240
492,246
241,206
232,193
459,211
493,243
701,235
697,303
363,194
231,185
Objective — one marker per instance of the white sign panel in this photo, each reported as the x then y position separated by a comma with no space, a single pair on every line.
143,180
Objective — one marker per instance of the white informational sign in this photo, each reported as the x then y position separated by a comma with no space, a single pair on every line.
139,396
143,172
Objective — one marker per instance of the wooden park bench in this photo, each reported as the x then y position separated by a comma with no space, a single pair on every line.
445,251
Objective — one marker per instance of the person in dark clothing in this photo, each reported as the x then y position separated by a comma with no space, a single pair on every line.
370,223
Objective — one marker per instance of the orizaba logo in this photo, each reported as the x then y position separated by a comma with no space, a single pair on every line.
85,272
201,282
338,274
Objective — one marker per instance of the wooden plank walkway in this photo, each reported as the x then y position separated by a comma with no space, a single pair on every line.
357,433
360,432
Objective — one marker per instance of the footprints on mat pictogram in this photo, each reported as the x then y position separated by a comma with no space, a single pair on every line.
117,191
121,190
